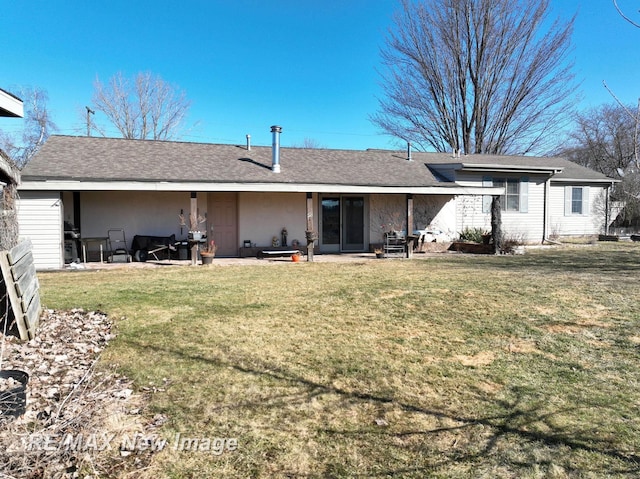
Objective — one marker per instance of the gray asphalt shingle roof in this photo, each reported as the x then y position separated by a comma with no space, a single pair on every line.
116,159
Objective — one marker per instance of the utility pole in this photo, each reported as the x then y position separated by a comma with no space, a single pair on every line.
89,112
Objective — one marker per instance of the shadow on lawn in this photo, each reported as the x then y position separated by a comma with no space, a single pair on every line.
517,421
621,261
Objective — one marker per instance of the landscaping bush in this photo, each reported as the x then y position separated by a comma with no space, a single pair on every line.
473,235
510,243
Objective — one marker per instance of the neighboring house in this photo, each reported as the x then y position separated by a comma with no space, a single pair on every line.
249,194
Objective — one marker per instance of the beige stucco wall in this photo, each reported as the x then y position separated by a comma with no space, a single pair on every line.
147,213
386,213
436,212
389,212
261,216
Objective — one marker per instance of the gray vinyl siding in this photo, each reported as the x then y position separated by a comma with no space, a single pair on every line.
527,225
563,223
40,219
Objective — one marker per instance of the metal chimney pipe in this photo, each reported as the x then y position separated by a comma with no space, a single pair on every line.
409,158
275,164
248,142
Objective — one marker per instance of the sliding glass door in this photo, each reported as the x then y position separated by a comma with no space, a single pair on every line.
342,223
352,223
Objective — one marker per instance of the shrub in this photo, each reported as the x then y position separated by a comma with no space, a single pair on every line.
473,235
509,243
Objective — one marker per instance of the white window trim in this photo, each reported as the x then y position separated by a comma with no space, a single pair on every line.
568,200
523,192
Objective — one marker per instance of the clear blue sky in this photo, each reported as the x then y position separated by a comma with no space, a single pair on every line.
309,66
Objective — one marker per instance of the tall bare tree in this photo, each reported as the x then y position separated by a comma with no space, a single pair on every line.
604,139
309,144
36,128
477,76
143,108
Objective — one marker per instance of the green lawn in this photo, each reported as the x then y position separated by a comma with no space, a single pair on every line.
453,366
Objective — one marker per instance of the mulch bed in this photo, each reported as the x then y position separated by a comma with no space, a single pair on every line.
472,248
73,404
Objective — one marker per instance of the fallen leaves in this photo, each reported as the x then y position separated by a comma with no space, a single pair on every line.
68,396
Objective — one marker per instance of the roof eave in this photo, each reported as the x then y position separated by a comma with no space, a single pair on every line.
10,105
30,184
585,180
550,170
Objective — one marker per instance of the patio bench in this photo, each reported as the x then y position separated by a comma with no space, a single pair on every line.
273,253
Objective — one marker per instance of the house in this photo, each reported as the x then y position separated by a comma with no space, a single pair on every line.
247,195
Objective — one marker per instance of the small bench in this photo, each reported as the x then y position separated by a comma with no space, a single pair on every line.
272,253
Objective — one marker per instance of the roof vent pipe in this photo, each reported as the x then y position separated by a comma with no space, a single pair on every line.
275,164
409,158
248,142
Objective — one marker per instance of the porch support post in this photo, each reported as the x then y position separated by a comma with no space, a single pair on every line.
409,236
496,224
77,223
311,236
193,213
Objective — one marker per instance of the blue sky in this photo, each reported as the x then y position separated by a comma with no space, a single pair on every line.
309,66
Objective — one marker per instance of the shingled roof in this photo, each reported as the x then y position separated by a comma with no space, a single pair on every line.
565,170
96,159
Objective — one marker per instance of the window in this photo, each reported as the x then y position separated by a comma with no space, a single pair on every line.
515,197
511,198
576,201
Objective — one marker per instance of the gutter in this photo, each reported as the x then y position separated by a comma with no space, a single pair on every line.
75,185
585,180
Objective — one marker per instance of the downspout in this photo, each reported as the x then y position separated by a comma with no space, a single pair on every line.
607,211
545,223
545,213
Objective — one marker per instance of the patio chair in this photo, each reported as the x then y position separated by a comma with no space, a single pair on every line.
394,243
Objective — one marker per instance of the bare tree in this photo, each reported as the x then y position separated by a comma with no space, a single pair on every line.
604,139
37,127
477,76
145,108
309,143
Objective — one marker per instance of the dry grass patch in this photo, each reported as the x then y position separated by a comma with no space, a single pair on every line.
483,358
386,368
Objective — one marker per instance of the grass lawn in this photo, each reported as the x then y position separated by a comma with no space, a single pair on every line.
453,366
